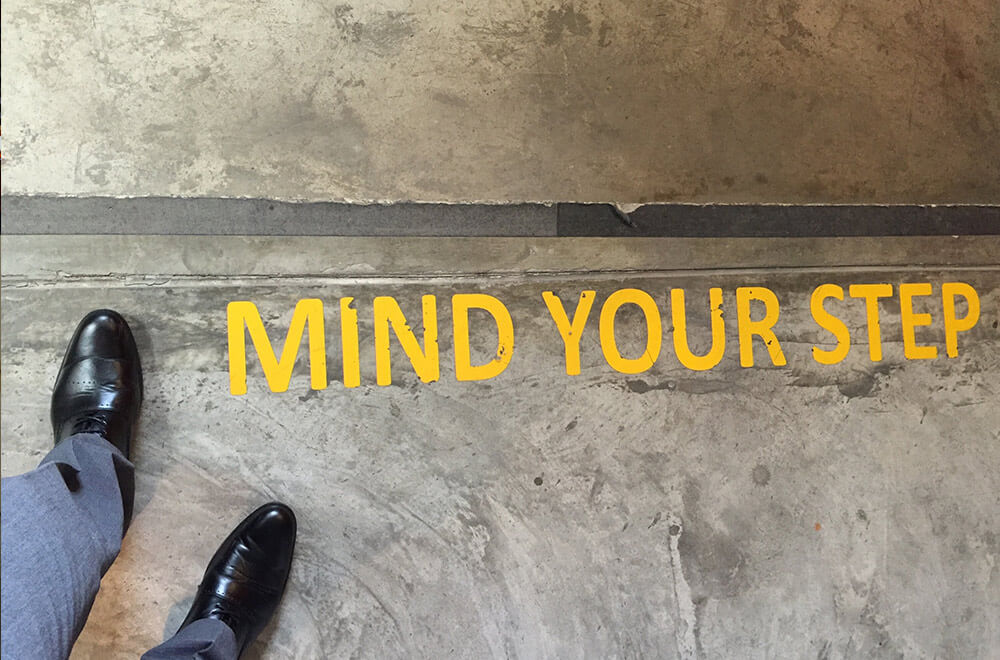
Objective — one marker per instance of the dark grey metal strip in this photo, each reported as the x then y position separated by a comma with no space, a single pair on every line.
261,217
764,221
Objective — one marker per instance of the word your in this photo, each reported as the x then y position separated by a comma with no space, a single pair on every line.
243,317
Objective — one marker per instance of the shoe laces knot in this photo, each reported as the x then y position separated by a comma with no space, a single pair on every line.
94,422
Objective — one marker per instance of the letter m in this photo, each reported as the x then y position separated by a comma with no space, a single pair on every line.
242,313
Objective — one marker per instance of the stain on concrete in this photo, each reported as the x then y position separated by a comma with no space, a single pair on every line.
656,519
642,387
795,33
685,385
955,59
702,385
446,98
604,34
714,563
381,32
853,385
761,475
500,41
387,32
565,20
863,386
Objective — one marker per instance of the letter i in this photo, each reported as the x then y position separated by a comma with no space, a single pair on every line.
349,343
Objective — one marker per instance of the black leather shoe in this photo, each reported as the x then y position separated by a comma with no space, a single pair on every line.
246,578
99,387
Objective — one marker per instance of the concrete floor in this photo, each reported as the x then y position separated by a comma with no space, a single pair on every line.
800,511
886,101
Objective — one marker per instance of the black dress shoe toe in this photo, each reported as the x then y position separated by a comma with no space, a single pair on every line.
246,578
99,386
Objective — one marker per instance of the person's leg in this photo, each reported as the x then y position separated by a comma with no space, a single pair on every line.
62,523
204,639
240,591
61,530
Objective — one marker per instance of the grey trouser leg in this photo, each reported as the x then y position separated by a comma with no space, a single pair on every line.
62,526
205,639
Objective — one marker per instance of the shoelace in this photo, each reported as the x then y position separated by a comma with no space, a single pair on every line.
228,616
91,423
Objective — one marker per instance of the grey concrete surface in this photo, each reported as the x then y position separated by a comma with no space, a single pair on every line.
722,101
800,511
